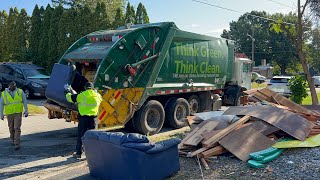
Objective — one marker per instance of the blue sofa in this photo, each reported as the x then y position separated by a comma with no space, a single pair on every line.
129,156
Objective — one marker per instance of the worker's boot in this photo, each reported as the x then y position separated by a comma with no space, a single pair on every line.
16,147
76,155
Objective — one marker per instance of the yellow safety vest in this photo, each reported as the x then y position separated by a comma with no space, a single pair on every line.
88,102
12,105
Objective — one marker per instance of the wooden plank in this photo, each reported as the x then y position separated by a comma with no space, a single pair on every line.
205,164
213,152
225,131
286,102
196,138
194,153
208,135
187,137
287,121
244,141
264,127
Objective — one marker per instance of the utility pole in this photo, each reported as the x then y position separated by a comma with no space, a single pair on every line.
252,45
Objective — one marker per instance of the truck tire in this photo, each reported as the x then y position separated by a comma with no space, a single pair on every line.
176,113
150,118
194,103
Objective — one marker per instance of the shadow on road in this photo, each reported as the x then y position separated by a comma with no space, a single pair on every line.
36,151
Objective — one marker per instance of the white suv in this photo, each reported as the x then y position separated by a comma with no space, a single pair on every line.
280,84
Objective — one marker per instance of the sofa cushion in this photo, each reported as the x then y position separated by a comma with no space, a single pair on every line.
139,146
163,145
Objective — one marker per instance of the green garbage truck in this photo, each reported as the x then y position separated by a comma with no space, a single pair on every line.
150,75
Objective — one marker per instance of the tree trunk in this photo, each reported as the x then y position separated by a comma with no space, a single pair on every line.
302,56
283,69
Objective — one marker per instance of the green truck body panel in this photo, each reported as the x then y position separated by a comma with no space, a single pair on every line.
156,57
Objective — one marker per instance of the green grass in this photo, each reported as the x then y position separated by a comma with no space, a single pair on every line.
255,85
33,109
178,133
308,100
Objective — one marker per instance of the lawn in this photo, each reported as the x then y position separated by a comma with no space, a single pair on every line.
255,85
308,101
33,109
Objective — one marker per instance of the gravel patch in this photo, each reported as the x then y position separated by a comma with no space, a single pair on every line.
302,163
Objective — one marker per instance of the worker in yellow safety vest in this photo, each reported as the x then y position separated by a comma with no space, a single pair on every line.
12,101
88,105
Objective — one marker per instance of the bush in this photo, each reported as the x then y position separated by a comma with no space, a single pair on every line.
299,88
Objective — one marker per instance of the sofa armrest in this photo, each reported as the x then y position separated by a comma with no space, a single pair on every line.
163,145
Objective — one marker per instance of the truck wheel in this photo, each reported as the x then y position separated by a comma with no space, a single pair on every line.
194,103
177,111
150,118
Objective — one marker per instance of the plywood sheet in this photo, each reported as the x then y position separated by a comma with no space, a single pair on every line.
287,121
244,141
196,138
264,127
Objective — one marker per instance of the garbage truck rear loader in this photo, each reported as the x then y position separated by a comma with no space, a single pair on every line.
148,75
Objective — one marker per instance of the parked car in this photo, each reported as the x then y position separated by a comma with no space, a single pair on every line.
280,84
32,79
258,78
316,80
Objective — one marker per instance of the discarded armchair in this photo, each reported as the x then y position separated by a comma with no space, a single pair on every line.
129,156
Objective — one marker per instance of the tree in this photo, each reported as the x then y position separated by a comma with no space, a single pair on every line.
3,36
35,33
119,19
11,32
44,45
22,39
101,20
141,15
53,40
268,45
298,34
130,14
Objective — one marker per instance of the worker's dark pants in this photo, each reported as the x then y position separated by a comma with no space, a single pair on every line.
85,123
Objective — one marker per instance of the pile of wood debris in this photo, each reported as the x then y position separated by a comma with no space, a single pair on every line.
242,130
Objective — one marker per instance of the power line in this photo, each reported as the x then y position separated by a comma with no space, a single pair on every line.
248,14
282,4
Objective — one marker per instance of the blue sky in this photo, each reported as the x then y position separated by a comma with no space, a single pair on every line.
187,14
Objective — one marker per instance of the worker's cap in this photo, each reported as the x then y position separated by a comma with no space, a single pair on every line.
88,85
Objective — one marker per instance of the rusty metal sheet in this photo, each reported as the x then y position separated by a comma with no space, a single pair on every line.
244,141
287,121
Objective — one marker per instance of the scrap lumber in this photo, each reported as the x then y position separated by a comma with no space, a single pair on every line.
208,135
225,131
194,153
196,138
286,102
205,164
187,137
287,121
213,152
264,127
244,141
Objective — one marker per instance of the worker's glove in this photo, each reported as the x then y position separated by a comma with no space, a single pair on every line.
26,114
67,88
2,117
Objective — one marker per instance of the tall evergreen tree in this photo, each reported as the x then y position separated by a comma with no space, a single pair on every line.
22,30
35,23
53,36
43,45
119,19
141,15
3,37
11,32
130,14
101,20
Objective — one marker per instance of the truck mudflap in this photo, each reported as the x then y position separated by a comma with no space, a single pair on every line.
118,106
